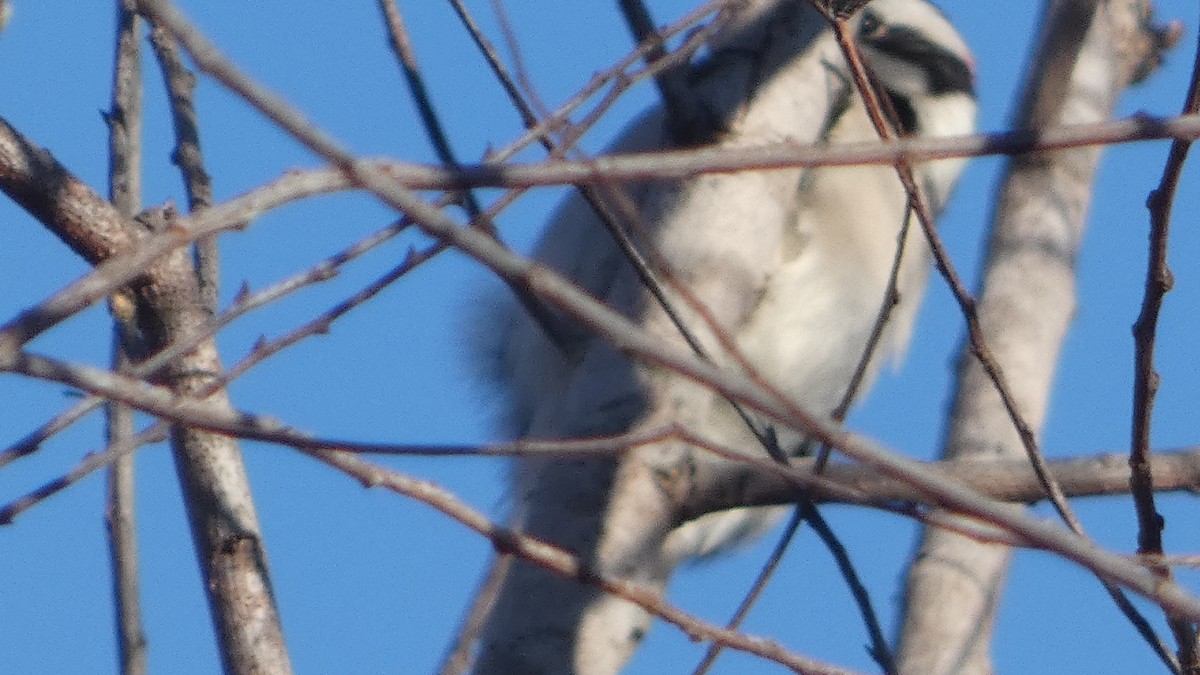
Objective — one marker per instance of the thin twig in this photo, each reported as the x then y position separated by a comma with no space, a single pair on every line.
687,118
120,518
879,650
1159,281
561,562
181,86
755,591
407,58
514,55
528,116
244,303
668,164
434,130
962,296
125,176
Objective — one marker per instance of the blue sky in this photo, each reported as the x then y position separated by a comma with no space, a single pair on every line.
369,582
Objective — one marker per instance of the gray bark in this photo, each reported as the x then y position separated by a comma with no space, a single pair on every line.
954,585
225,526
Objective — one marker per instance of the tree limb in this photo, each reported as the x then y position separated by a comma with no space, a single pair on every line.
1024,309
224,523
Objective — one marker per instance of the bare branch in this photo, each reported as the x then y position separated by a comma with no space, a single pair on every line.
122,534
671,164
1023,314
562,562
689,121
181,86
755,591
120,269
224,523
762,482
125,176
1159,280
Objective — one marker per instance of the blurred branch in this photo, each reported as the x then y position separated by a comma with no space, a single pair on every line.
689,121
120,268
407,58
670,164
244,303
1023,312
1064,29
1008,480
224,523
763,482
561,562
181,86
1159,281
125,176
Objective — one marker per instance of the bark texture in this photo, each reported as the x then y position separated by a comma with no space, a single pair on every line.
954,584
169,308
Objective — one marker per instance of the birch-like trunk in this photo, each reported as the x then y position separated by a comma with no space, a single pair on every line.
955,584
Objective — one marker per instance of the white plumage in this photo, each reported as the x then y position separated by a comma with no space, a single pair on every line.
792,264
